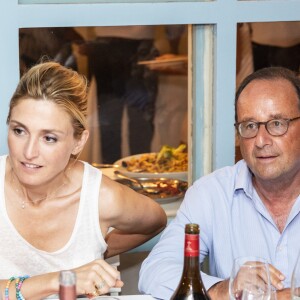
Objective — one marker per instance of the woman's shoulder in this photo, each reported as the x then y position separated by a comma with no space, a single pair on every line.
83,174
3,157
81,168
4,162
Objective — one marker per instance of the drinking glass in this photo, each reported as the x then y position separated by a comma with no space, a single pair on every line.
250,279
295,282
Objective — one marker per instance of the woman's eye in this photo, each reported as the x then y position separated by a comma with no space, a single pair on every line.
18,131
50,139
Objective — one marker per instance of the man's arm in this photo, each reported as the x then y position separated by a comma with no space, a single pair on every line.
162,269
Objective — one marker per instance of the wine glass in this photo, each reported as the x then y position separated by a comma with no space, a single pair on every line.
295,282
250,279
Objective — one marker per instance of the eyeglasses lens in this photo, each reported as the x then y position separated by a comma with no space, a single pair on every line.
274,127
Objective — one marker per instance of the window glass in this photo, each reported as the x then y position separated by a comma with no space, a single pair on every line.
138,83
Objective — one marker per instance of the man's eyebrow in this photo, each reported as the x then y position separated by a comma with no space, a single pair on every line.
271,117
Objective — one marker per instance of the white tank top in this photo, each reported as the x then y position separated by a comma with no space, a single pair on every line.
18,257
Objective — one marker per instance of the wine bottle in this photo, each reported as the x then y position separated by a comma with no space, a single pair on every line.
67,285
191,286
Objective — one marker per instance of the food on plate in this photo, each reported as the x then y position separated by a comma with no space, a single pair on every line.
159,189
168,159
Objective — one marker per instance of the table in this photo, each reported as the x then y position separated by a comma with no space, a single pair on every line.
128,297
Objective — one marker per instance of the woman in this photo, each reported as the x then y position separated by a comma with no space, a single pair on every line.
57,212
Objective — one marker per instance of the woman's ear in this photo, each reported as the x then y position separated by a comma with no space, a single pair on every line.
79,144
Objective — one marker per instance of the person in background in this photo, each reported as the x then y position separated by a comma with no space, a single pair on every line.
123,83
275,44
58,212
249,209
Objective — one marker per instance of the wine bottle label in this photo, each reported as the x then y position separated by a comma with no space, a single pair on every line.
191,246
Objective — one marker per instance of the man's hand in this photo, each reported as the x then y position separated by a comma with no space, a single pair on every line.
284,294
276,277
219,291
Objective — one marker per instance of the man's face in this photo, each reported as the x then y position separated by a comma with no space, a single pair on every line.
271,158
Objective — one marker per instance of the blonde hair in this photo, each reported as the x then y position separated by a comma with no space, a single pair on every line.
52,82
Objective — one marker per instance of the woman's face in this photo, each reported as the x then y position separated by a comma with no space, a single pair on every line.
40,140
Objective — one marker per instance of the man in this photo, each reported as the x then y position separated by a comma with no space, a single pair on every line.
250,209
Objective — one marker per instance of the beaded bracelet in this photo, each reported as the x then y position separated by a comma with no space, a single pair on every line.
18,284
6,291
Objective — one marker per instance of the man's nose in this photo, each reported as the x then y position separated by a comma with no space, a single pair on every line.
263,137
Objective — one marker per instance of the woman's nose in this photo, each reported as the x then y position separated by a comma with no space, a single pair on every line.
31,148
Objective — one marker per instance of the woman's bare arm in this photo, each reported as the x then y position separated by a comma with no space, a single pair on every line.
134,218
88,276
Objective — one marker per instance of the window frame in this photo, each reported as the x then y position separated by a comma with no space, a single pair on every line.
212,52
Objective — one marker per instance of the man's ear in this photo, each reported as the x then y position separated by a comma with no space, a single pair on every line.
81,142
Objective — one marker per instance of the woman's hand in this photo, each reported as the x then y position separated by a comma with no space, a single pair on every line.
96,278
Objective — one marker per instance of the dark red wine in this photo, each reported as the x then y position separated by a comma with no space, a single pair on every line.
191,286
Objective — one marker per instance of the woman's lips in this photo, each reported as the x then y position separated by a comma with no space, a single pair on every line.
30,166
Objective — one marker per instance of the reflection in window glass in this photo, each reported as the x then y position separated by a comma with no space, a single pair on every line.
53,43
138,83
265,44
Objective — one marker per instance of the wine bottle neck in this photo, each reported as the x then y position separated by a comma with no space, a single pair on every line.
191,253
191,245
191,265
190,285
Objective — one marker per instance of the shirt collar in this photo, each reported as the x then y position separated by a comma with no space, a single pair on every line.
244,179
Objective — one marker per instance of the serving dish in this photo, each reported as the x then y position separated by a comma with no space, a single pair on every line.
140,172
162,190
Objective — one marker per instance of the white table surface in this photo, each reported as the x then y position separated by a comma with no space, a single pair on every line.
128,297
170,208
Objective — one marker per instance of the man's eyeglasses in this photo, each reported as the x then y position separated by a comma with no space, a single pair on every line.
275,127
